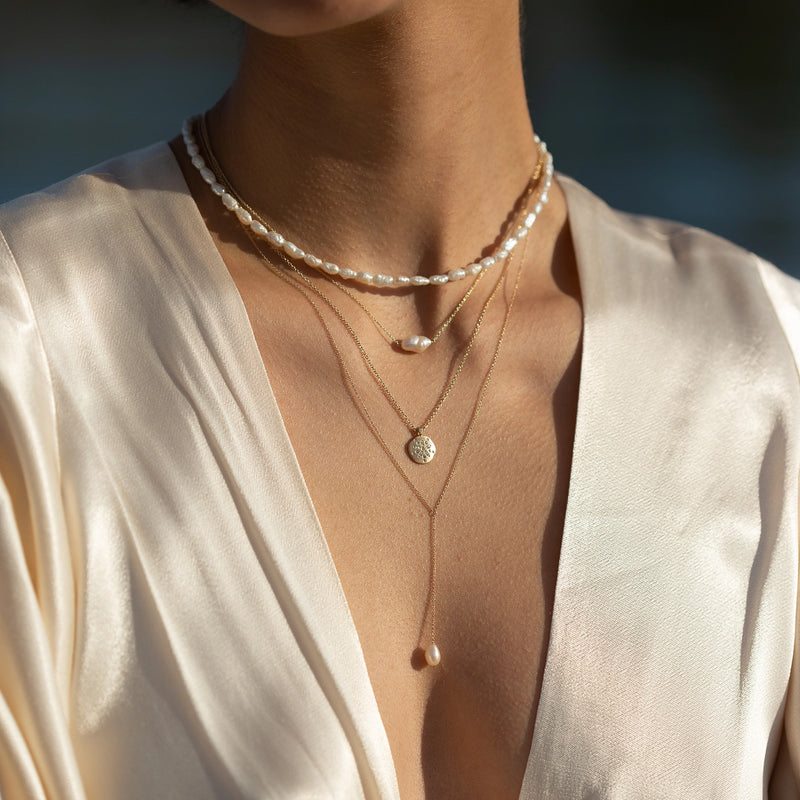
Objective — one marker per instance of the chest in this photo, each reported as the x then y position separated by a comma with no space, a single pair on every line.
485,582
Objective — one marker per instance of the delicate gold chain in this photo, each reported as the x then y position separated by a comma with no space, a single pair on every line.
394,339
462,446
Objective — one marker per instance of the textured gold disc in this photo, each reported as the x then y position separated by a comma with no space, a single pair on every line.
422,449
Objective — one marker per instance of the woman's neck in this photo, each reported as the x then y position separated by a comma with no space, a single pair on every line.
401,142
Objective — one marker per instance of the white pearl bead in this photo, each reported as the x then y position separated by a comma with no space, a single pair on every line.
509,244
473,269
439,279
312,261
529,220
192,149
383,280
331,269
487,262
457,274
501,254
537,209
229,201
522,233
275,238
416,344
218,189
432,656
198,162
402,280
292,249
245,217
258,228
420,280
544,198
364,277
208,175
347,274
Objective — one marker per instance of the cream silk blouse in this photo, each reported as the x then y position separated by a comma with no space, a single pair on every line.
171,622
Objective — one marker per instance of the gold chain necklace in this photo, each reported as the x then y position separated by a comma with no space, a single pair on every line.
411,344
417,343
432,651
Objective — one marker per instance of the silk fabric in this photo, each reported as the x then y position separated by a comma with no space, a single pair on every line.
172,622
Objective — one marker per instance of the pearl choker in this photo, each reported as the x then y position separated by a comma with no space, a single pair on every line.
282,244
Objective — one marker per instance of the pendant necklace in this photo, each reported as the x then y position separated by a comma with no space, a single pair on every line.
421,447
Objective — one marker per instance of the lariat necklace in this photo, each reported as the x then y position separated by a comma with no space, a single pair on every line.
421,448
432,652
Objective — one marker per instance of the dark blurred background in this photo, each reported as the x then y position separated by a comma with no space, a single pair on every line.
688,109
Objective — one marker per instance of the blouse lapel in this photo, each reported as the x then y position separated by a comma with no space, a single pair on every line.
280,520
663,504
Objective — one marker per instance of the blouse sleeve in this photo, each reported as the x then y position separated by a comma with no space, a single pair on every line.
36,583
784,783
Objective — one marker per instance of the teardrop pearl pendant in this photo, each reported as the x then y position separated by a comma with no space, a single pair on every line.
432,656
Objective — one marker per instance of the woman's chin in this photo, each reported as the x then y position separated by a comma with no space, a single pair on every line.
304,17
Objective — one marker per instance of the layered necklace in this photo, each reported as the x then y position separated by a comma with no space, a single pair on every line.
421,448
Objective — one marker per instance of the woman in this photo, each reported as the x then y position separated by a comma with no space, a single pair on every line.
279,522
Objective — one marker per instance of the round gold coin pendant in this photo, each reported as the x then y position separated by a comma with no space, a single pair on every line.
421,449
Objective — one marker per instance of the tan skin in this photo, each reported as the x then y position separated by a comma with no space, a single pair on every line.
395,135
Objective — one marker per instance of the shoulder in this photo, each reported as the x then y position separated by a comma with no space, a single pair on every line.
704,289
100,203
657,242
102,239
107,265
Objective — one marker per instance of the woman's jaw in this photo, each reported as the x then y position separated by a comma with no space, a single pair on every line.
304,17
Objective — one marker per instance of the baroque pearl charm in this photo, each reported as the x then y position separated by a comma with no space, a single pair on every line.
433,656
421,449
416,344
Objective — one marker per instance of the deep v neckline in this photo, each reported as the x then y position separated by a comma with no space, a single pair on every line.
349,688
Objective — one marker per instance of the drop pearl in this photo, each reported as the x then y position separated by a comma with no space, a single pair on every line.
433,656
